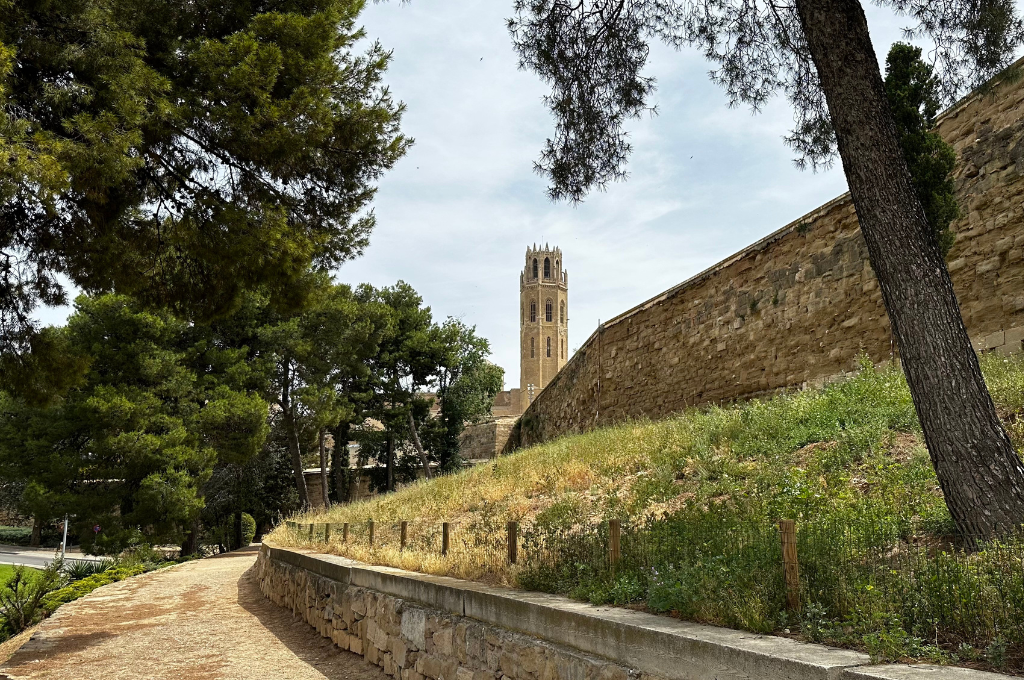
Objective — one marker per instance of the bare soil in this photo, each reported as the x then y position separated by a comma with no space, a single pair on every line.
197,621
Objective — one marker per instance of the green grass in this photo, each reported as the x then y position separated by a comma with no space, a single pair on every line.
6,570
699,496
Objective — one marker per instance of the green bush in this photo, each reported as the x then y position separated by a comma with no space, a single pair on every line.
77,589
248,529
50,538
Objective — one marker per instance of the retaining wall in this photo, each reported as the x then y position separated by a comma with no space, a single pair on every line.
417,627
800,305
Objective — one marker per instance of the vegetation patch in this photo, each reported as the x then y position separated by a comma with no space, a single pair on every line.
699,497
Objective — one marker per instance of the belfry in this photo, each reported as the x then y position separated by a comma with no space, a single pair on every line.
543,320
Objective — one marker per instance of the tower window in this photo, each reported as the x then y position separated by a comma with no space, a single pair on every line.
534,267
533,311
531,348
547,268
549,346
561,312
547,311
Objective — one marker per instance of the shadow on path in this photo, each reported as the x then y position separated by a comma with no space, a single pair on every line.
301,639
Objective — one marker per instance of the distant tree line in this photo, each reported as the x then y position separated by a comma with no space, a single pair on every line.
163,431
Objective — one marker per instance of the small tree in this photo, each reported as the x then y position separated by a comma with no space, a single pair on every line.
913,93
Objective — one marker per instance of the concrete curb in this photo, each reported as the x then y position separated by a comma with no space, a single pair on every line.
662,646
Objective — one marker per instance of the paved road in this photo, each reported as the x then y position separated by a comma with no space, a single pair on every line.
36,557
199,620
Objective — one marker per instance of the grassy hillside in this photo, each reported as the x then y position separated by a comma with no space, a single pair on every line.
699,496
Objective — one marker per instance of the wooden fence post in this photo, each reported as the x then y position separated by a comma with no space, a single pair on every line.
290,524
344,532
614,529
327,533
444,538
312,529
370,525
790,564
405,533
513,541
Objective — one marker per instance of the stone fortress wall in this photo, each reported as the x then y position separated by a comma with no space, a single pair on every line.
800,305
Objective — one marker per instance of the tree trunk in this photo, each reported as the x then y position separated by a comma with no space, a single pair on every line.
981,476
419,447
323,468
340,462
190,546
292,434
37,532
391,462
238,508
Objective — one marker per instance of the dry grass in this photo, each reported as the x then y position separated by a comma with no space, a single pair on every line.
849,449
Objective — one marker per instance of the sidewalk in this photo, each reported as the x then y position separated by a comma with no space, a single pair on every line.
201,620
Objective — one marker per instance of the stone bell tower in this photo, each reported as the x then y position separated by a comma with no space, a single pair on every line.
543,320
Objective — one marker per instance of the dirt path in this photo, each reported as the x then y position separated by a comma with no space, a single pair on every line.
199,620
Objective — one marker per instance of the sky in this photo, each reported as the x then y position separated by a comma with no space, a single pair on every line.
455,216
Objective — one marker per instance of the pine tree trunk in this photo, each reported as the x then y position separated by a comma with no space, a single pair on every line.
292,435
37,532
323,468
340,462
237,529
391,462
419,447
981,476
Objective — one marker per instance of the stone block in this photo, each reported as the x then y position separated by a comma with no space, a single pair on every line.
442,641
464,674
355,644
993,340
414,622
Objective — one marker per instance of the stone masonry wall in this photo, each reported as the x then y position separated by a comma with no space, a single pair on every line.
412,642
799,306
485,439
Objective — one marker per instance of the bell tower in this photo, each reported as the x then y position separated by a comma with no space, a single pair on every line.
543,320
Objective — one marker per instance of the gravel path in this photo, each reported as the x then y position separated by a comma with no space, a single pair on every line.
200,620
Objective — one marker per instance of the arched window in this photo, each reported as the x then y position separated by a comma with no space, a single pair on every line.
561,312
533,311
534,267
531,348
547,311
549,346
547,267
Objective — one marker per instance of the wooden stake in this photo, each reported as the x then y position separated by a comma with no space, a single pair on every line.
327,533
790,564
405,533
444,538
312,528
370,524
513,541
344,532
614,529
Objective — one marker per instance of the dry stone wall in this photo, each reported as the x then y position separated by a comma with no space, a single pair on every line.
412,642
800,306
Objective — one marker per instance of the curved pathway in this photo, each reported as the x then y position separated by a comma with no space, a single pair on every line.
199,620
